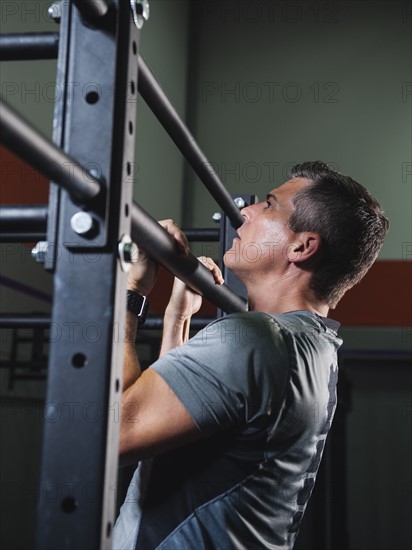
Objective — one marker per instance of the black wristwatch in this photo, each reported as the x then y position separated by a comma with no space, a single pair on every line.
137,304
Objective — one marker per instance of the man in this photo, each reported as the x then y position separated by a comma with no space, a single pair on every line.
237,416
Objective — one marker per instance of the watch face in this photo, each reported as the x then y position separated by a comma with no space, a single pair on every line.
137,304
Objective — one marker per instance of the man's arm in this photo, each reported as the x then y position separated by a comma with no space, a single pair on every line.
153,418
131,367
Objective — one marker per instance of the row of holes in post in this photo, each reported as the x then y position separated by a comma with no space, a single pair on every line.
92,97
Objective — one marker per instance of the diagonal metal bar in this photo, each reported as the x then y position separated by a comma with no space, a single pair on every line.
167,115
28,143
154,240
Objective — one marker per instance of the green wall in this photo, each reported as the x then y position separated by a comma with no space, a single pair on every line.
283,82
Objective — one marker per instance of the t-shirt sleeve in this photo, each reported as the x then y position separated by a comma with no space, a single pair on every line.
231,373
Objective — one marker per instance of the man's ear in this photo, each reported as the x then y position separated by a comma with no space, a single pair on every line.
303,248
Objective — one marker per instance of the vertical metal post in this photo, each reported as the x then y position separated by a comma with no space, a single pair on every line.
95,124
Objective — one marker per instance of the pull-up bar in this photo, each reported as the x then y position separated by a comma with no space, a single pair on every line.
152,238
13,47
24,140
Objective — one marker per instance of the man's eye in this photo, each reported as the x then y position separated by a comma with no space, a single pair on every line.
268,204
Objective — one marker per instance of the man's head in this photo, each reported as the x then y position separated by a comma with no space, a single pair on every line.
320,223
349,221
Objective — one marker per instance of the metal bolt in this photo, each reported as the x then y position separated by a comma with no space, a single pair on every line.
128,252
240,203
141,12
55,11
217,216
81,223
39,252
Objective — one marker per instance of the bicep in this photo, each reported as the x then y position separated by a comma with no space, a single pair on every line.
153,419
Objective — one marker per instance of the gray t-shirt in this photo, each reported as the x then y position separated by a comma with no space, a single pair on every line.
262,390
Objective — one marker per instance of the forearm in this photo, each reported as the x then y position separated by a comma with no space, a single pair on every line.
175,331
131,369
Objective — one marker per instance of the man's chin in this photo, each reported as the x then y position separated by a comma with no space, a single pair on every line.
229,261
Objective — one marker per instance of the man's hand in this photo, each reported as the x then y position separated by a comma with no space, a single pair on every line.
184,302
143,273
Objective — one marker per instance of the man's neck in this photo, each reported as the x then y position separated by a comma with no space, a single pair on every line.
284,295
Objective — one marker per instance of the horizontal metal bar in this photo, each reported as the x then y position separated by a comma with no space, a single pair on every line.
22,223
29,46
26,142
24,321
167,115
154,240
153,322
24,218
201,235
22,237
6,236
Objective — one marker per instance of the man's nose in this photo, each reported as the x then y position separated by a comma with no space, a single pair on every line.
247,212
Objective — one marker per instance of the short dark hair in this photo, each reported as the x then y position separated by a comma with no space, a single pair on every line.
349,221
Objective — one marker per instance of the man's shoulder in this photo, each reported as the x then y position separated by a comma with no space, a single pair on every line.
256,327
245,327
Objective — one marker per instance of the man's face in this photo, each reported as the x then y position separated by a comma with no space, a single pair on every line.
264,236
